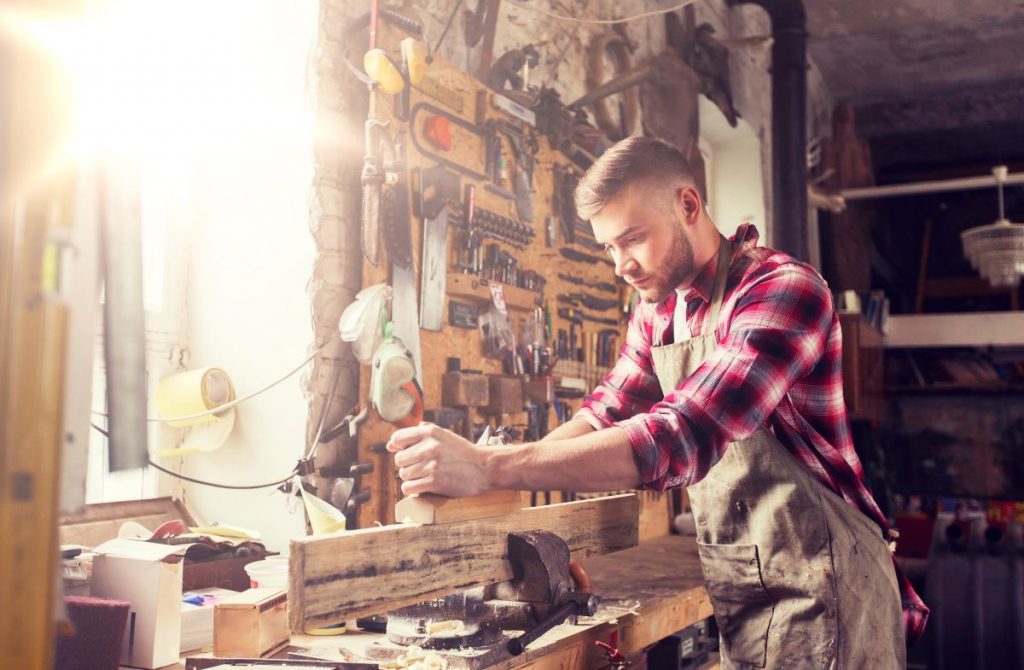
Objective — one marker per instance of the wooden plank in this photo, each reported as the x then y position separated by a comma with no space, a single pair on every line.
375,570
429,508
655,514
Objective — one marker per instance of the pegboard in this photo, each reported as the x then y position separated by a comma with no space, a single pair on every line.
588,346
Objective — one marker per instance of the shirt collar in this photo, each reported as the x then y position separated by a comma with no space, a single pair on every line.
704,283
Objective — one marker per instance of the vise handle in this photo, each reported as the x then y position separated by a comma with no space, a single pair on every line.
576,604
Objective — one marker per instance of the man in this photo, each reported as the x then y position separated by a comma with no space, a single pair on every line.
729,383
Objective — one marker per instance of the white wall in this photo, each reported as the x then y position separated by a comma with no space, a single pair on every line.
736,182
210,101
251,256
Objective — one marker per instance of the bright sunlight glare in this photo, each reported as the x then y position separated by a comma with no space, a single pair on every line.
166,81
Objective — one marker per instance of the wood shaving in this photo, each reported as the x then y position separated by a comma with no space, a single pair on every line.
449,627
417,658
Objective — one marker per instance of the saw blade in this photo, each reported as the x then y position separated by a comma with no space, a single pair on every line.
396,224
434,271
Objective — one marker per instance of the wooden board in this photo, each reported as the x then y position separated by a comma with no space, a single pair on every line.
374,570
429,508
655,514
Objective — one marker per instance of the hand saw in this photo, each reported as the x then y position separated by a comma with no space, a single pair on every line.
434,271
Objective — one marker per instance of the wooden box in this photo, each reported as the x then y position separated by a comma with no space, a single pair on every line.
540,390
252,624
464,389
506,394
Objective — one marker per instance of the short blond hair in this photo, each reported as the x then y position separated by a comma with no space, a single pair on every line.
634,161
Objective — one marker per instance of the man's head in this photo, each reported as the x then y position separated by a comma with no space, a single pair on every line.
641,199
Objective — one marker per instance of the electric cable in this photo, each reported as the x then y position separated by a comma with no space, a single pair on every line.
237,487
444,33
228,405
206,483
643,15
311,448
221,408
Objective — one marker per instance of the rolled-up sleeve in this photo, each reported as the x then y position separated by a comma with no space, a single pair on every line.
776,333
631,386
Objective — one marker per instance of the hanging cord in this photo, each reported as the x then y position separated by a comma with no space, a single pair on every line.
228,405
311,448
444,33
574,19
299,467
206,483
243,487
234,487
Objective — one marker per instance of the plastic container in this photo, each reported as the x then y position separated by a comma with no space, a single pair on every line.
270,573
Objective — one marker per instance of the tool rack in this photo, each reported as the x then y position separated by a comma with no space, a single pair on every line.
531,261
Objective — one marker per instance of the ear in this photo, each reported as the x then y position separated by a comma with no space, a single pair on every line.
688,203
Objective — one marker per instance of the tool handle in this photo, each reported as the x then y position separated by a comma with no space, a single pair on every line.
516,645
583,603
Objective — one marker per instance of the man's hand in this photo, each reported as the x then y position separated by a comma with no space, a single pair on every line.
434,460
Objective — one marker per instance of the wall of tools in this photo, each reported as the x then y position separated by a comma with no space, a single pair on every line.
499,290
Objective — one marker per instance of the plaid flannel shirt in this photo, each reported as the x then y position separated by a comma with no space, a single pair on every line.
778,364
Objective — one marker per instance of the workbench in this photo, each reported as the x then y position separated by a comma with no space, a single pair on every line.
647,593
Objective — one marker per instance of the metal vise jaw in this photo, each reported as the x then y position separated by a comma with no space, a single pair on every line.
543,582
540,571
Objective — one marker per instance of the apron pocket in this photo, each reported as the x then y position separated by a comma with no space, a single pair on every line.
743,607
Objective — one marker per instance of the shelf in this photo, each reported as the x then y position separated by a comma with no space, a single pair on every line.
476,288
939,388
975,329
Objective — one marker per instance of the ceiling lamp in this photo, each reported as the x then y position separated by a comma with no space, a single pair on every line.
996,251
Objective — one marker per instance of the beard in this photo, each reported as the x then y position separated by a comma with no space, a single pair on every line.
672,271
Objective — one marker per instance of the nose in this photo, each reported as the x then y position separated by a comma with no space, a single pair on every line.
624,264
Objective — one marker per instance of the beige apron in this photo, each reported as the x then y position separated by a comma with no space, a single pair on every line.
798,577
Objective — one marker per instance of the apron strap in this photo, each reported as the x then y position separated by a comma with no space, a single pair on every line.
721,276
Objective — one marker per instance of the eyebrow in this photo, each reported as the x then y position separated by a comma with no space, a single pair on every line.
626,233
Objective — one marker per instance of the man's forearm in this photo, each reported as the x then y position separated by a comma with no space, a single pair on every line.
571,428
596,461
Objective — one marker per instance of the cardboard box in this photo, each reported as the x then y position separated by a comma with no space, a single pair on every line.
148,575
205,566
251,624
100,522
